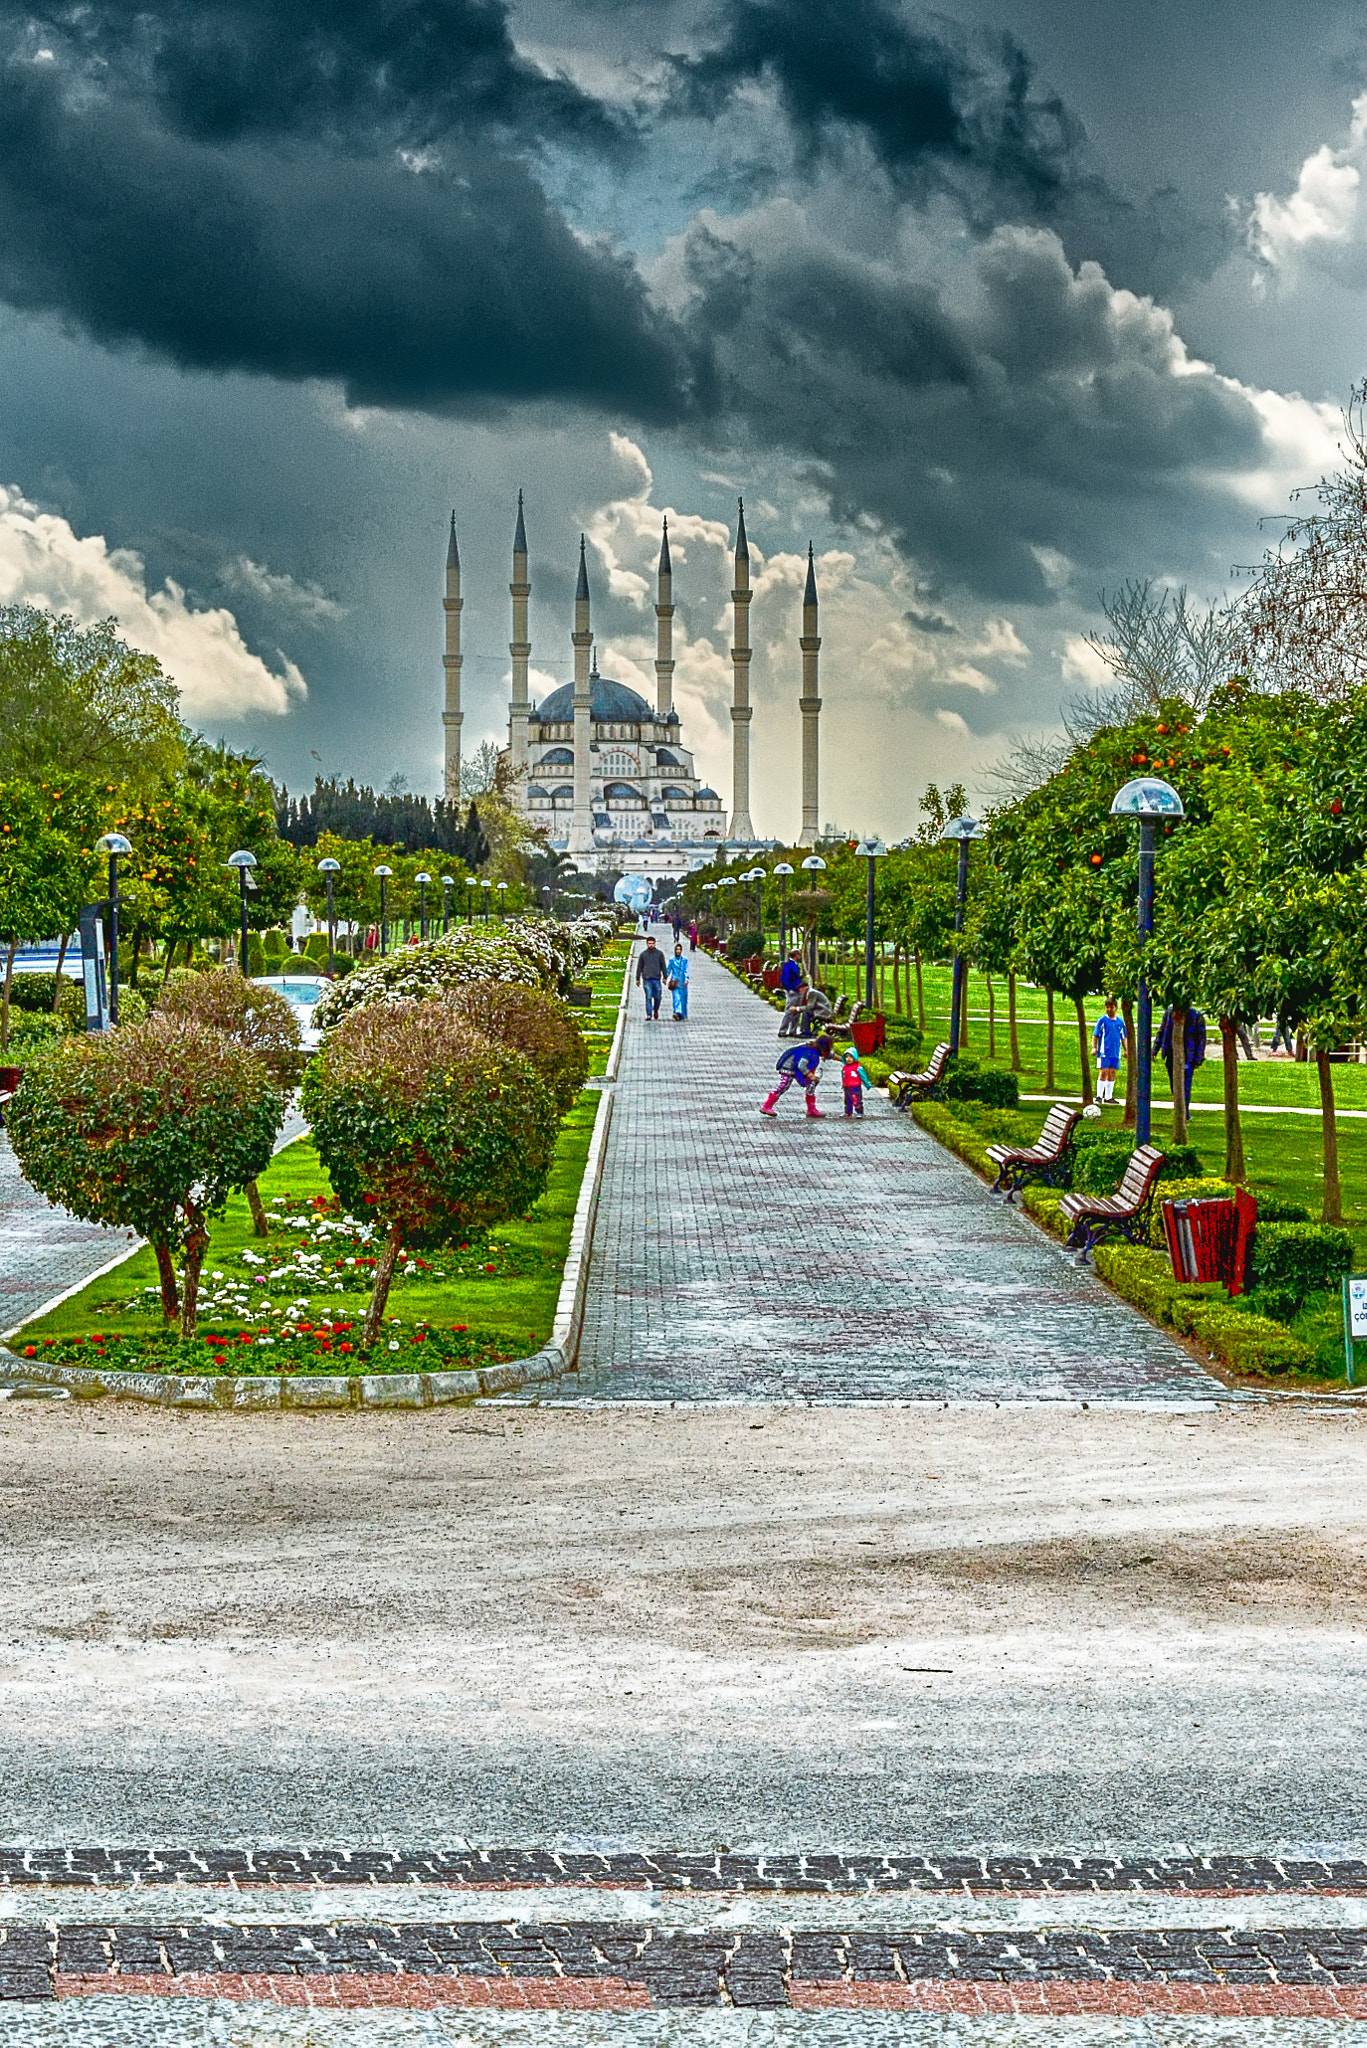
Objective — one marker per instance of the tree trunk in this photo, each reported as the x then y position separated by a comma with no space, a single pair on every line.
384,1273
1234,1135
1179,1075
5,994
1049,1038
991,1020
1081,1009
134,950
196,1244
963,1011
1131,1066
1331,1210
261,1222
897,979
171,945
920,994
166,1273
1016,1067
57,977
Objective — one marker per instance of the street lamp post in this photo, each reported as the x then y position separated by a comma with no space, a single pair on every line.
1149,799
502,901
487,886
328,867
783,870
758,877
813,865
471,882
244,862
384,875
963,830
725,882
446,885
872,851
116,846
422,881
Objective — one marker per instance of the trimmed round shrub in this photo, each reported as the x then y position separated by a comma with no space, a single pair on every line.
534,1024
148,1128
966,1080
260,1020
429,1125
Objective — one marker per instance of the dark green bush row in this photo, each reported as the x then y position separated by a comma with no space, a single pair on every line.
1101,1159
1291,1260
741,945
967,1080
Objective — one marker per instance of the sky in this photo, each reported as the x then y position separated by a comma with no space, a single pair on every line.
997,306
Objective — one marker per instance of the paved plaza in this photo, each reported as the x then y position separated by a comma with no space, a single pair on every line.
44,1250
741,1258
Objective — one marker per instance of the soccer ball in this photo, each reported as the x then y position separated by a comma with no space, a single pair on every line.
1092,1109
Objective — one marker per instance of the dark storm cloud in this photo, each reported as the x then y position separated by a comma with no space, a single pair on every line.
940,110
945,113
443,287
981,429
367,71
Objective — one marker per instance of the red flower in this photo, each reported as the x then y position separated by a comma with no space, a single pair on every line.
344,1347
30,1351
1335,807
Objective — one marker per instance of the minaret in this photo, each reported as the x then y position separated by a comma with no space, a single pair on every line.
451,662
664,633
809,704
581,823
741,828
520,648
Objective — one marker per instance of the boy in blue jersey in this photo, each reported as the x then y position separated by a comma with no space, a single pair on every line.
1108,1043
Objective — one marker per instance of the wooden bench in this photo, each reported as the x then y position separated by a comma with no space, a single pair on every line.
906,1088
1126,1212
1047,1160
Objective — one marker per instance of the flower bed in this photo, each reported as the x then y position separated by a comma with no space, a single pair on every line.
302,1348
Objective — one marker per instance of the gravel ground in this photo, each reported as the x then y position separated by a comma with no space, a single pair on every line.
855,1627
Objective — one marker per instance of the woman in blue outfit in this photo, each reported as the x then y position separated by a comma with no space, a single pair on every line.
678,982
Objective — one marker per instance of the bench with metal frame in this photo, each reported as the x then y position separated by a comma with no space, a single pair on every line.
1049,1160
1126,1212
929,1083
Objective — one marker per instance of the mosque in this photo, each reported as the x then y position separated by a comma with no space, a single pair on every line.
610,778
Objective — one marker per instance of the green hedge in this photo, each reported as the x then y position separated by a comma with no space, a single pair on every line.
1295,1259
1101,1158
967,1080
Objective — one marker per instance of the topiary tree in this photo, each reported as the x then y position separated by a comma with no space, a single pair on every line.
258,1019
423,1120
148,1129
536,1025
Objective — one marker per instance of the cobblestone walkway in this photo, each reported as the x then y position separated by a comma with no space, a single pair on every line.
43,1250
740,1257
110,1945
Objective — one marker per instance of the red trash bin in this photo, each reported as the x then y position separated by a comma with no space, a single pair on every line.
868,1034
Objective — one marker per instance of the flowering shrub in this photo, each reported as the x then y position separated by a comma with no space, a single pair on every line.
532,1023
258,1019
323,1347
421,1118
530,952
149,1128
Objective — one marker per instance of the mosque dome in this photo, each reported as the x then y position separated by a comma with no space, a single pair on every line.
609,704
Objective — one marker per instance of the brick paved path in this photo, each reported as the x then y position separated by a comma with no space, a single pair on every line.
43,1250
735,1256
102,1941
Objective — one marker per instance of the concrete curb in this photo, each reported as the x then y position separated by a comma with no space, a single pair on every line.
375,1390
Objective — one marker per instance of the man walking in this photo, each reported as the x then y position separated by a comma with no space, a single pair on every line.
650,974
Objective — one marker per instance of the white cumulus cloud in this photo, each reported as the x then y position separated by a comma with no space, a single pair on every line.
1323,214
44,562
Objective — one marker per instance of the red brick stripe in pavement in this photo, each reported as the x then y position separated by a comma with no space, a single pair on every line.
537,1994
1111,2000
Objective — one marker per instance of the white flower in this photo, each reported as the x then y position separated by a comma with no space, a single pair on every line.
393,1345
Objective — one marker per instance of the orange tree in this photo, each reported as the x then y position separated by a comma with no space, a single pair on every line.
429,1125
149,1129
48,867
